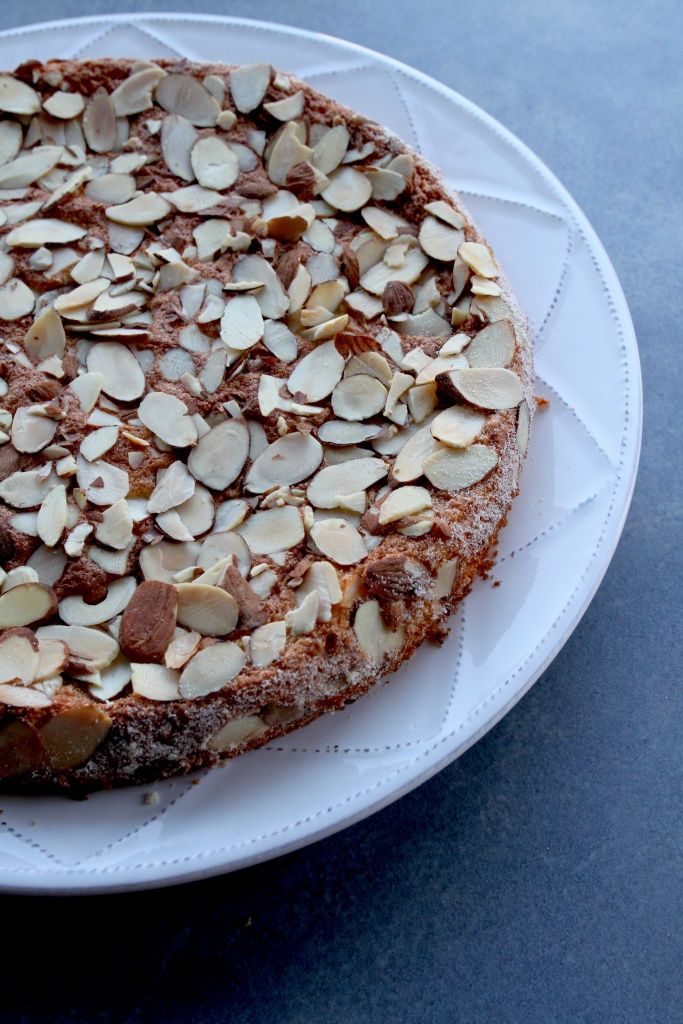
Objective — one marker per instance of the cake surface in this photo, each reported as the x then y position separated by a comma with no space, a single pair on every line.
264,400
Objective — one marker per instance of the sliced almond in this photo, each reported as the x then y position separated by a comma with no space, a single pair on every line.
23,696
99,122
71,737
321,579
11,138
214,163
25,489
144,209
378,276
279,340
122,374
96,444
288,460
81,296
184,95
30,166
453,469
16,300
238,730
206,609
116,528
276,529
26,604
87,389
178,136
383,222
173,488
53,656
52,516
493,345
329,151
402,502
486,387
386,184
111,188
211,669
267,643
167,417
523,426
19,658
219,456
248,85
446,213
86,646
161,561
339,540
31,429
242,323
478,258
442,364
458,426
102,482
341,433
409,464
348,189
318,373
181,648
287,152
196,513
155,682
287,108
336,486
39,232
16,97
439,240
358,397
271,299
224,544
373,636
134,94
75,612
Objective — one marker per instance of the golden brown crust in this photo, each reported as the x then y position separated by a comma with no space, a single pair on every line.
317,671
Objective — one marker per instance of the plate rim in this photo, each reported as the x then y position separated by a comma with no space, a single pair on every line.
72,881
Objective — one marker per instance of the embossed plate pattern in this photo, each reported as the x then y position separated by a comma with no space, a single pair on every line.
563,529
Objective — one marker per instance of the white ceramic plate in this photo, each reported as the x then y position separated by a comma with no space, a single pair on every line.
576,488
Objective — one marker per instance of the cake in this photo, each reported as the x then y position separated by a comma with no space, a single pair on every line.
264,400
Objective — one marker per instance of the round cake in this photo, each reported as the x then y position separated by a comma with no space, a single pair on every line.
264,400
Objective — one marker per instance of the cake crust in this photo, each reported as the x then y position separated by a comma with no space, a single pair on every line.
255,198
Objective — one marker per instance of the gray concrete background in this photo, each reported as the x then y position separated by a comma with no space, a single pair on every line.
538,879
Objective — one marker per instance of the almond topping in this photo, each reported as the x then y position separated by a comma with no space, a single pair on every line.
75,612
184,95
485,387
206,609
211,669
402,502
267,643
155,682
452,469
493,345
166,416
148,621
274,530
479,258
286,461
248,85
372,635
458,426
52,516
122,374
339,540
219,456
26,604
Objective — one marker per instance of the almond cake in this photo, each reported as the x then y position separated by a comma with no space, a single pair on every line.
264,400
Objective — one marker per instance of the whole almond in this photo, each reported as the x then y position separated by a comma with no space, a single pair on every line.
148,622
397,297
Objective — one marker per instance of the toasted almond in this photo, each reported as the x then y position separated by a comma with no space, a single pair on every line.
19,657
329,151
322,578
276,529
16,97
287,152
336,486
184,95
328,329
75,612
485,387
16,300
122,374
144,209
287,108
116,528
219,456
493,345
348,189
409,464
134,94
99,122
6,265
279,340
53,656
195,514
386,184
25,489
458,426
318,373
26,604
167,417
155,682
479,258
248,85
267,643
373,636
161,561
242,323
422,401
288,460
52,516
339,540
102,482
71,737
181,648
211,669
402,502
206,609
22,573
214,163
452,469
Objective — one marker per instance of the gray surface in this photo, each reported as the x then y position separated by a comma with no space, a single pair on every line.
538,879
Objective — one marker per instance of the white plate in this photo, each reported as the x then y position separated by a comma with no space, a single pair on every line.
563,529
